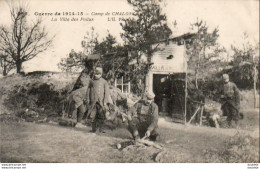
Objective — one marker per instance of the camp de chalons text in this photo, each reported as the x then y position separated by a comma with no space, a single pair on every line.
83,13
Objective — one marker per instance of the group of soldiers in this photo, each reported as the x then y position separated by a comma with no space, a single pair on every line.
91,99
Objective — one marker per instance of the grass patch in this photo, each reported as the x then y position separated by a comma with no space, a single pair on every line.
247,99
250,120
239,149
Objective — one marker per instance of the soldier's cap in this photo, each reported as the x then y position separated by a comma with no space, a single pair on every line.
98,70
225,76
150,95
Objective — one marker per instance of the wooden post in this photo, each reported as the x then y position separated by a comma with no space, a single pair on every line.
122,83
255,80
185,99
194,115
129,87
186,91
201,114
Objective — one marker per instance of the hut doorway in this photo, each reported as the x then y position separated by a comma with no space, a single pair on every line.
169,90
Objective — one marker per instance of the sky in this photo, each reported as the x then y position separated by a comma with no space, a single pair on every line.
232,17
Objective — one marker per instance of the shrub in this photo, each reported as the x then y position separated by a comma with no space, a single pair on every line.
239,149
35,99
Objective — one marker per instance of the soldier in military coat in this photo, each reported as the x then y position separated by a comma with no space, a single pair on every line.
231,100
143,118
98,98
74,104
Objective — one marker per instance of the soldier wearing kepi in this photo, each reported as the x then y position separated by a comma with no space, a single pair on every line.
98,98
143,118
231,101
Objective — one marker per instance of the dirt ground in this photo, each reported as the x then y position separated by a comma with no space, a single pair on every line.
49,142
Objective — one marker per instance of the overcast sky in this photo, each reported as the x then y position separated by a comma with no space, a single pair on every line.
232,17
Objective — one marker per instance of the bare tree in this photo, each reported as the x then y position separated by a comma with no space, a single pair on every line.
6,63
23,41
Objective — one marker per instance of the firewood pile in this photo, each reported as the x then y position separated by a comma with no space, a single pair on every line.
143,150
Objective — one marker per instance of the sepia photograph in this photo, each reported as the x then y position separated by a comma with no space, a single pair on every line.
129,81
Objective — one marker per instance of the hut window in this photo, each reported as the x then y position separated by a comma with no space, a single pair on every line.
121,84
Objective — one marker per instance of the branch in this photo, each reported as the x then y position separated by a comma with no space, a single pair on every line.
37,49
6,44
29,41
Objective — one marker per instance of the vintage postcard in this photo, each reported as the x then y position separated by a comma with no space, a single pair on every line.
129,81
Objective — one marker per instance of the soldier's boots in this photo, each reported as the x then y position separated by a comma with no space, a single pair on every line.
155,137
232,124
136,135
101,127
137,138
94,127
80,113
80,125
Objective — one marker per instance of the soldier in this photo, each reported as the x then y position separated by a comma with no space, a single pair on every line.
77,105
143,118
74,105
98,98
231,100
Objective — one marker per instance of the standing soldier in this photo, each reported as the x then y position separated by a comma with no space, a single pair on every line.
74,104
231,100
98,98
143,118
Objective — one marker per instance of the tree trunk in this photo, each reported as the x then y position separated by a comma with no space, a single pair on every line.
146,79
18,66
4,67
196,79
149,57
5,71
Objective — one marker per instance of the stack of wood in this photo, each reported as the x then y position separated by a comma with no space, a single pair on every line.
143,150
